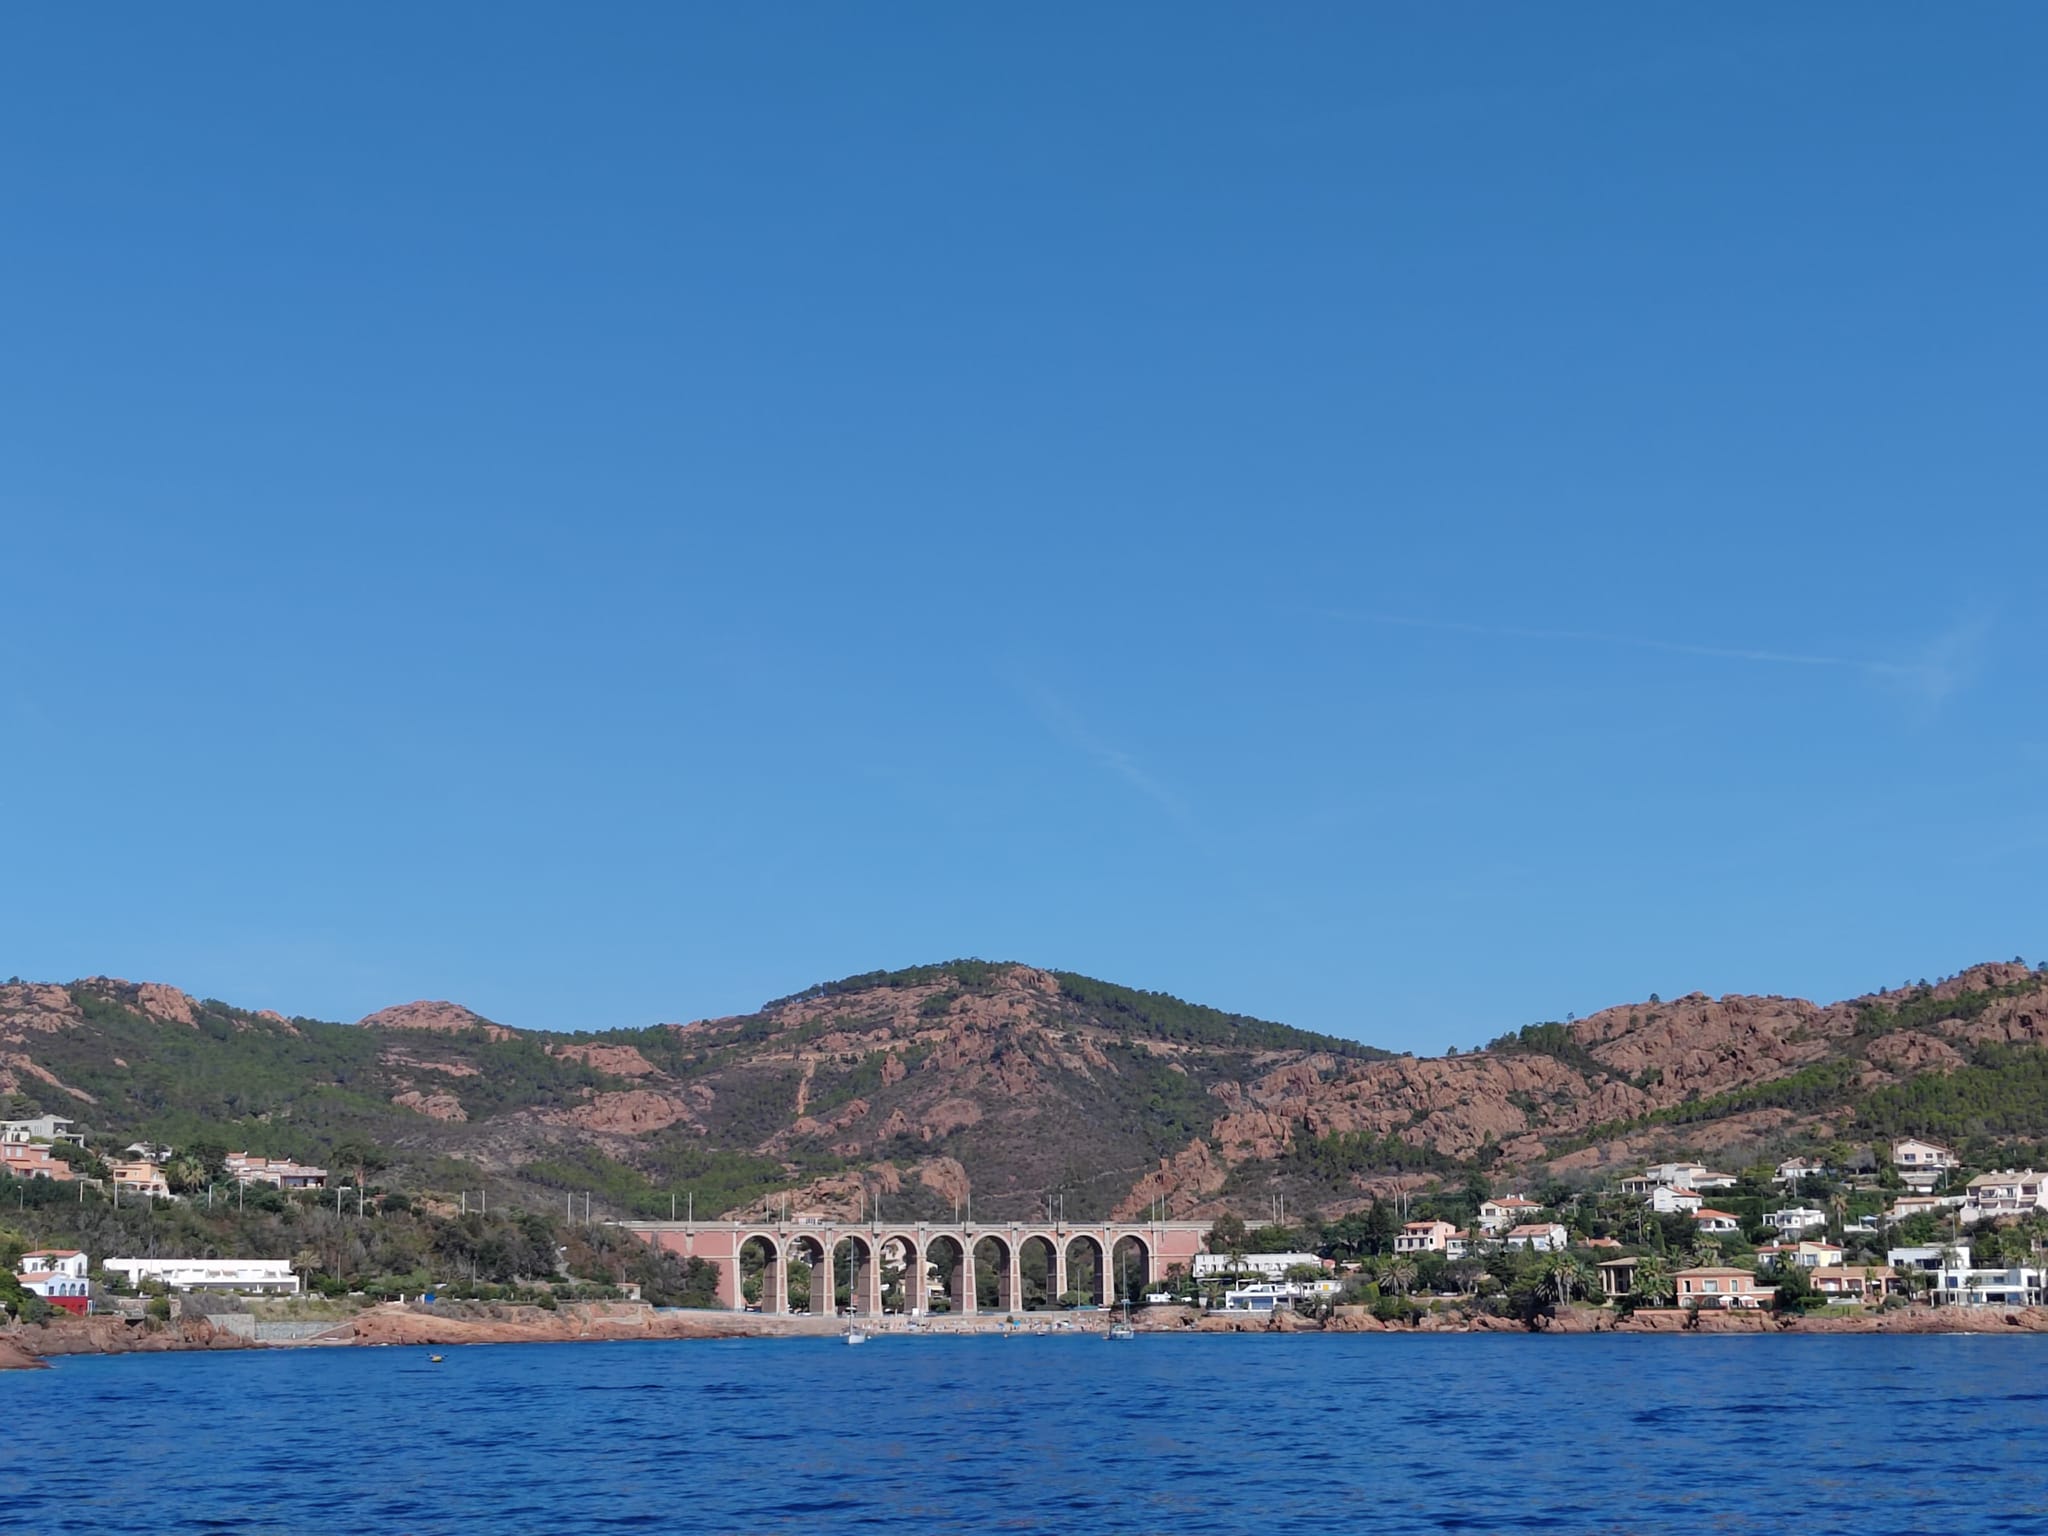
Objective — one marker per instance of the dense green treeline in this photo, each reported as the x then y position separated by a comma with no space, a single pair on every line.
1921,1008
2002,1094
1164,1017
1554,1040
1334,1158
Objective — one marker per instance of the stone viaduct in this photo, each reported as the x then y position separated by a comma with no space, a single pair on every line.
1148,1249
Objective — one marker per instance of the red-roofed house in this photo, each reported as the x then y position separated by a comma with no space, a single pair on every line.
1856,1284
1424,1237
1713,1287
33,1160
1707,1219
1543,1236
1807,1254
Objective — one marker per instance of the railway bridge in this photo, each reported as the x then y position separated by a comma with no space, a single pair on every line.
1070,1250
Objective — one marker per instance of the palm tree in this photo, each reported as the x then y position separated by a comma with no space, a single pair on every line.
1653,1283
1705,1250
1399,1273
1567,1275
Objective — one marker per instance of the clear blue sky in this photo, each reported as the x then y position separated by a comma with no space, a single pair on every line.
1402,521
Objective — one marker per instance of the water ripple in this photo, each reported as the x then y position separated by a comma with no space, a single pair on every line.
1193,1436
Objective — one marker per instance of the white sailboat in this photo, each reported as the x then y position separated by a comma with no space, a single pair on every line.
1123,1329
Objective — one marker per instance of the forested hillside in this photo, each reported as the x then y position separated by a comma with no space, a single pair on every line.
1010,1086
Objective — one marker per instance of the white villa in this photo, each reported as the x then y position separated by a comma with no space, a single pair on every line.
1505,1212
1265,1295
54,1261
1542,1236
1659,1176
1796,1219
1669,1199
1707,1219
2014,1286
1793,1169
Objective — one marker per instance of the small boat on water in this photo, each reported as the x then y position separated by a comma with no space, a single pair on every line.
856,1335
1122,1329
433,1359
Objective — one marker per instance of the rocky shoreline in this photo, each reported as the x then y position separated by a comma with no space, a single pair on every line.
29,1348
1577,1320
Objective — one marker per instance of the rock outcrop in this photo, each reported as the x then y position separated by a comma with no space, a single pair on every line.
434,1018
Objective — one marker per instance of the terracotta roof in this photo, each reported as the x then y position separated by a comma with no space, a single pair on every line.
1705,1213
1531,1228
52,1253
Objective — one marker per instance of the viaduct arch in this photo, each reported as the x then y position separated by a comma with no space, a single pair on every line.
936,1258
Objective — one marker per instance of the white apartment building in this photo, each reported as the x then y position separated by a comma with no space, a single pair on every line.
2019,1285
2005,1193
274,1276
1269,1266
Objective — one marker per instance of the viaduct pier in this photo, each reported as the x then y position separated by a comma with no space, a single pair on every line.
1144,1251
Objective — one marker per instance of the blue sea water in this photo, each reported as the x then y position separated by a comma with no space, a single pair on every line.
1479,1433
